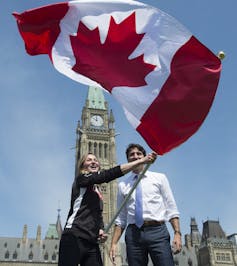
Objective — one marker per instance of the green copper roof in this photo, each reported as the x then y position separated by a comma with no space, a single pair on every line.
52,232
96,98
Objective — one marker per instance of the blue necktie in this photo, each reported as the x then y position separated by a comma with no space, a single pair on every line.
138,205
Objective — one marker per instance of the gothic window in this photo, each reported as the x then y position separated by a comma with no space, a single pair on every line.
31,245
7,254
54,256
5,244
14,256
46,256
18,245
90,147
30,257
95,148
100,150
105,151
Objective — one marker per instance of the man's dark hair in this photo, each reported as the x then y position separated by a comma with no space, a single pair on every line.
134,145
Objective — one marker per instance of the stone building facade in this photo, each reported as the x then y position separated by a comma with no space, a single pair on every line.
31,251
212,248
216,248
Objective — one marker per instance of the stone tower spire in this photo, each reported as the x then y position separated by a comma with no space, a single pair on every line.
195,234
58,224
111,117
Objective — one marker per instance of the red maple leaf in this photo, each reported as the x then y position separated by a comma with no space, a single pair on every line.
108,63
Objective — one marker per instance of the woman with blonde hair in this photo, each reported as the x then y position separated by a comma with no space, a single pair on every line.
84,225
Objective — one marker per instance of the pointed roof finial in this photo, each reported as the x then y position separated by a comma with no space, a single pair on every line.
111,117
58,223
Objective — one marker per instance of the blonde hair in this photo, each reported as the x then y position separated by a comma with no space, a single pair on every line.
81,162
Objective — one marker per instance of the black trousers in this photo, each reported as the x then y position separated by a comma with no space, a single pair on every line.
74,251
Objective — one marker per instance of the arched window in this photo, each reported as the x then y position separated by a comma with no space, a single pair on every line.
106,151
30,257
5,244
100,150
18,245
90,147
54,256
95,148
46,256
14,256
7,255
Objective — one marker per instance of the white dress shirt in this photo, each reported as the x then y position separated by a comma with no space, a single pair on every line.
158,199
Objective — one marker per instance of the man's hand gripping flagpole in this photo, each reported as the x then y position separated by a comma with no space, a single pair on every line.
127,197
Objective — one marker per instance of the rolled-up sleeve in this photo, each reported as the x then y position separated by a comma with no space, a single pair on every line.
169,201
121,220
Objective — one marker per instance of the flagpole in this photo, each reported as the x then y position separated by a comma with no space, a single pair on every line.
127,198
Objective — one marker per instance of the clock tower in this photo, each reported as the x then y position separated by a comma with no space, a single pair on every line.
96,134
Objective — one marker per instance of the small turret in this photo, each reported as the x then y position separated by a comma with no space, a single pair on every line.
38,236
24,236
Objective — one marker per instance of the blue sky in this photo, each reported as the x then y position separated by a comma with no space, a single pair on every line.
39,110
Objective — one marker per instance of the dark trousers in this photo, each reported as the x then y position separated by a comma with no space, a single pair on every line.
74,251
152,240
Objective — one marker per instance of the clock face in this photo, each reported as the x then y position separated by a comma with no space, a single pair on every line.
96,120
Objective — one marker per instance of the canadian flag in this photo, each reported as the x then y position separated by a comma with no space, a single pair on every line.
163,77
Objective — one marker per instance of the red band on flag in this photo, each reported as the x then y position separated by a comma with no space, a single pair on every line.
40,28
185,99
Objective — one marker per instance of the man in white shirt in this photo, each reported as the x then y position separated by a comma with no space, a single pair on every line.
148,233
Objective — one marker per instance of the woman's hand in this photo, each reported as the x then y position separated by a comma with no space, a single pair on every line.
102,236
